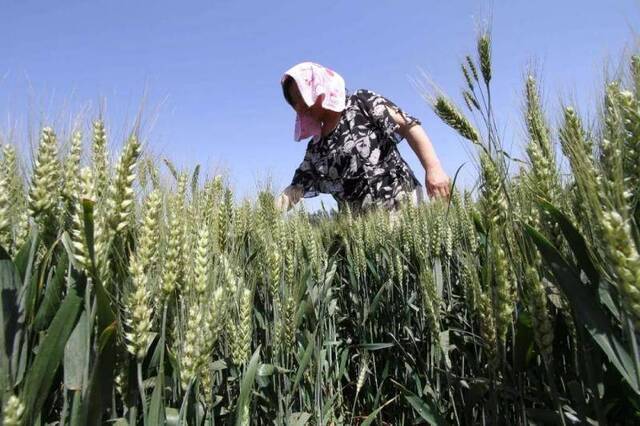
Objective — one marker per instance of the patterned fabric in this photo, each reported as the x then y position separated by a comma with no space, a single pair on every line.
314,80
358,162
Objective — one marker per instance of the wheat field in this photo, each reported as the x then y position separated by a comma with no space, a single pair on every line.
137,293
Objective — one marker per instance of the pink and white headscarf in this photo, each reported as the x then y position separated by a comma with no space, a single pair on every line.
314,80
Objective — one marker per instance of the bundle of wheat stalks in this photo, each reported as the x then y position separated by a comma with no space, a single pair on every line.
136,301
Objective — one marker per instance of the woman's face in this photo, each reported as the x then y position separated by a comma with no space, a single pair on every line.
300,106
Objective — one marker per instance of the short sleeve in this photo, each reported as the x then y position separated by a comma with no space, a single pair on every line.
306,177
376,107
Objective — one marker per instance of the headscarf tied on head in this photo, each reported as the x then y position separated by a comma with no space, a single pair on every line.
314,80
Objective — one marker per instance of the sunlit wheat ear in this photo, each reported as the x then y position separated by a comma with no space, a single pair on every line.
149,232
103,239
242,220
275,272
138,310
471,101
448,240
578,148
488,328
455,119
484,54
288,319
430,301
12,411
471,285
289,269
173,256
435,234
43,193
630,111
100,157
405,234
241,341
11,172
458,219
311,246
635,75
153,173
361,249
216,311
71,171
612,145
467,77
398,268
121,196
624,261
539,149
206,384
504,289
202,262
225,215
536,301
493,197
468,226
472,68
86,191
364,369
191,344
17,198
5,214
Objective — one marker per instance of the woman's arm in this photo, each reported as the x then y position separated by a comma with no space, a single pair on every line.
436,180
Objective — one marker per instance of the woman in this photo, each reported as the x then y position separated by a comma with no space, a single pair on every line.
353,154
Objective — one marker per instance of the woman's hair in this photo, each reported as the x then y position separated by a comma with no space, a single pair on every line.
286,88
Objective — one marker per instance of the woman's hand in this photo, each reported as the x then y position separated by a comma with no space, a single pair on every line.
437,182
289,197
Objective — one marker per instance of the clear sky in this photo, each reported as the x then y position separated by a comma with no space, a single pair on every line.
209,71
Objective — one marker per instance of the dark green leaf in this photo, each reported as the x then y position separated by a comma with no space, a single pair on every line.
304,361
9,285
371,417
45,365
53,293
426,409
24,258
576,242
587,309
156,406
244,399
374,346
376,300
583,255
76,353
101,378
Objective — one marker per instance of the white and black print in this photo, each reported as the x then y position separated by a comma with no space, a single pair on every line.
358,162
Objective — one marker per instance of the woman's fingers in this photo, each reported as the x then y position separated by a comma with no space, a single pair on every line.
294,193
436,191
445,190
289,197
282,202
437,183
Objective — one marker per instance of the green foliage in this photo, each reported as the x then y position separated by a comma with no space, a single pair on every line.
135,302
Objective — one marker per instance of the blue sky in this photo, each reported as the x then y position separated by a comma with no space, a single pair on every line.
208,72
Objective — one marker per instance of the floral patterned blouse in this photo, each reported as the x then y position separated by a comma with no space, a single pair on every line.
358,162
